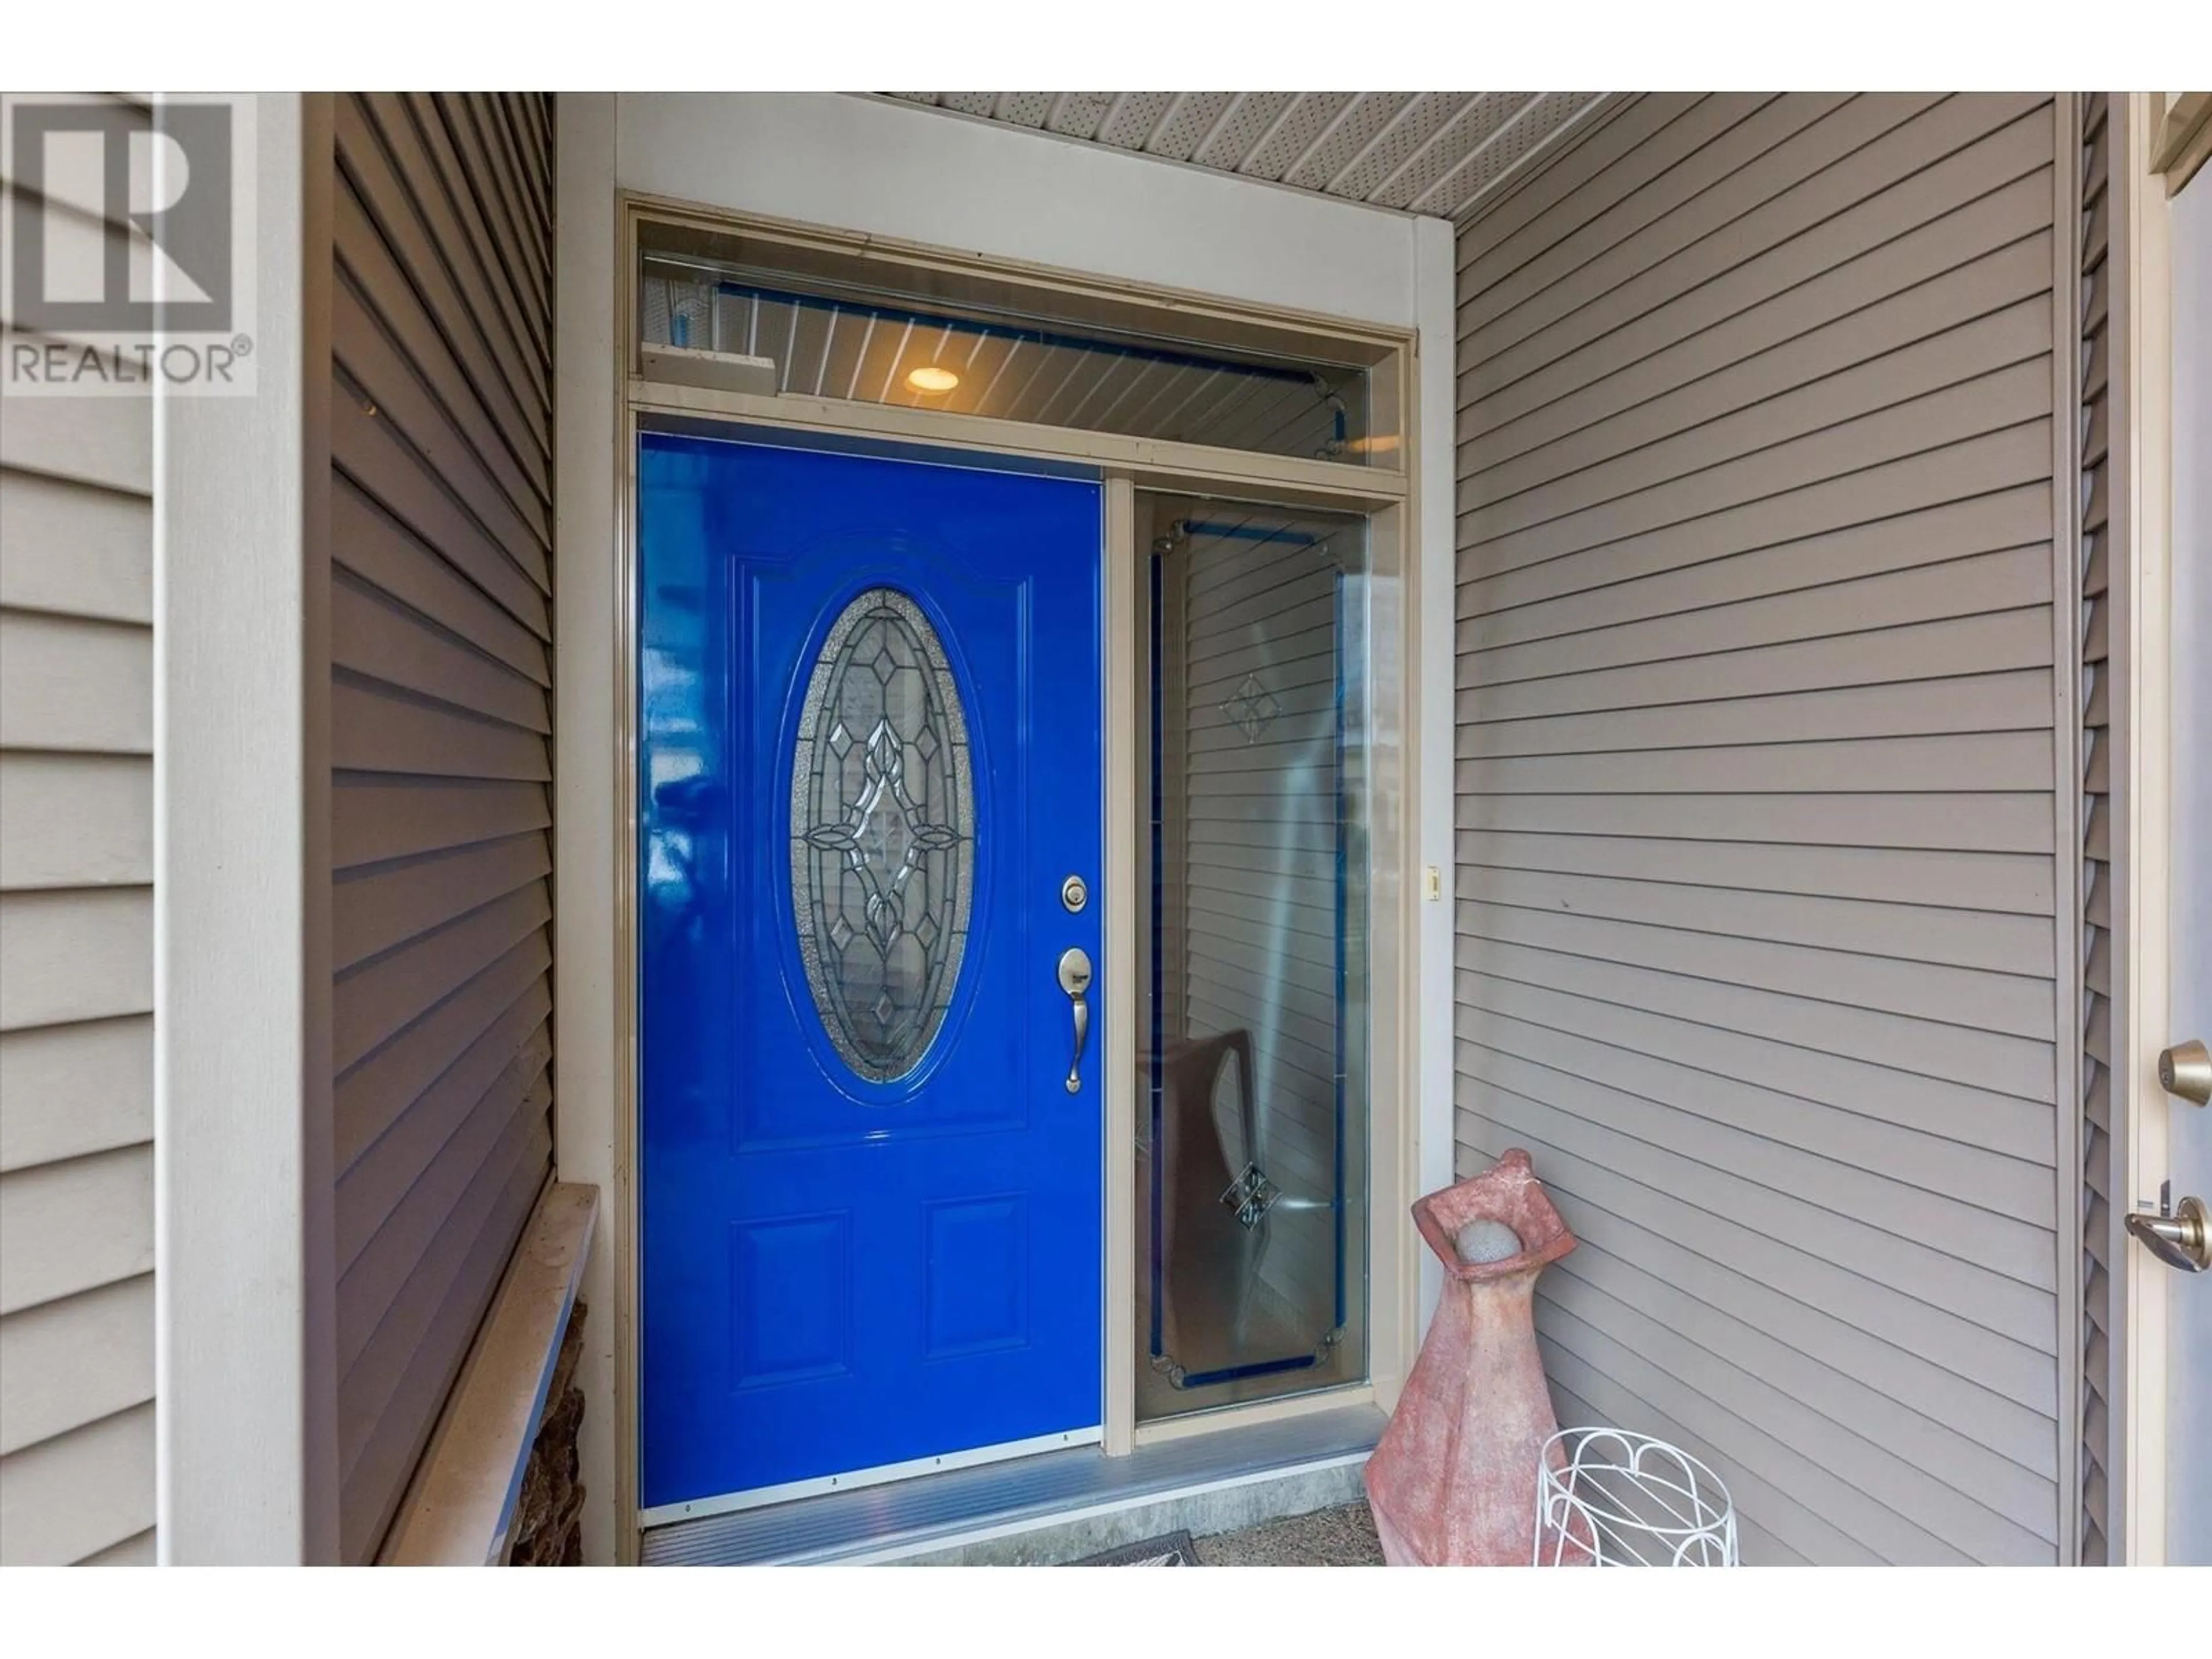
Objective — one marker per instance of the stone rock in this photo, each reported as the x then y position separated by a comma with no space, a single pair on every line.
548,1530
1485,1240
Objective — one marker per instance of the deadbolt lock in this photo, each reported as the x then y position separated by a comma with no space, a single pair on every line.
2185,1071
1073,894
2180,1237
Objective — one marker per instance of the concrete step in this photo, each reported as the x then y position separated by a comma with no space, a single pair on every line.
1054,1507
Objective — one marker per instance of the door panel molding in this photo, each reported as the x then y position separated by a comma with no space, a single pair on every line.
871,723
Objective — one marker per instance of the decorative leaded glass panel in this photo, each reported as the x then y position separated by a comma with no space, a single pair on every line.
883,835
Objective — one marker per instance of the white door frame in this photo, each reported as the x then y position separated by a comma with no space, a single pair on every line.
2143,647
1147,228
1126,465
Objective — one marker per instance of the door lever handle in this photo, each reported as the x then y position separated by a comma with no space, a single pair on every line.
2179,1237
1075,980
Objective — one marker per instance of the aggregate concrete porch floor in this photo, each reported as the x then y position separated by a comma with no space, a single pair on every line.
1341,1537
1054,1507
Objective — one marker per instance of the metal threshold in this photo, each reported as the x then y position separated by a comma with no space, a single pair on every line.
934,1514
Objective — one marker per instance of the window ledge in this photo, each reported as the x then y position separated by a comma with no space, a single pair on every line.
459,1508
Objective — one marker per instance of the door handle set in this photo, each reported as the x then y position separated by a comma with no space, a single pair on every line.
2179,1235
1075,980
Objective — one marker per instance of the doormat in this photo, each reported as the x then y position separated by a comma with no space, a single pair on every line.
1170,1549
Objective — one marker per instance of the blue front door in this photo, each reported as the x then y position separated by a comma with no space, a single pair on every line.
869,759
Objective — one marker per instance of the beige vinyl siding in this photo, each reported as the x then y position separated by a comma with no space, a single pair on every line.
77,959
1759,943
440,717
2100,1218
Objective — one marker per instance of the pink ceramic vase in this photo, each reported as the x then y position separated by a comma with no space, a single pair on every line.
1453,1481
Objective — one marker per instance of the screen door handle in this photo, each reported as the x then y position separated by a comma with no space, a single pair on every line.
1075,980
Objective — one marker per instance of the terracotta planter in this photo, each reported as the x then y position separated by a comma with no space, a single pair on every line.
1453,1481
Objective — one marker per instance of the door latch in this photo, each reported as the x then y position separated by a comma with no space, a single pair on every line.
2180,1238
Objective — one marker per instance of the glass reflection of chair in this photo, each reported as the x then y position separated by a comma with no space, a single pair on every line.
1210,1257
1219,1313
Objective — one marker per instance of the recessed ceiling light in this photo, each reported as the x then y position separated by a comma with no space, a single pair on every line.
931,378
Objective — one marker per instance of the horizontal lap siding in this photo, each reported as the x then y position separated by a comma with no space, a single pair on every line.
1756,853
441,726
77,959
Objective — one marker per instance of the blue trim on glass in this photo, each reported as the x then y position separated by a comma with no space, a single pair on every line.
1159,1022
1342,899
1260,1368
1245,532
1044,337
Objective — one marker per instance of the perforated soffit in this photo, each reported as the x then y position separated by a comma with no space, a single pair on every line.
1441,153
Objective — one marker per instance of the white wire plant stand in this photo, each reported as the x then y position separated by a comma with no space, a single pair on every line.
1609,1499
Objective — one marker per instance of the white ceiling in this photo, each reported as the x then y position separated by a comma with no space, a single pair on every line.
1441,153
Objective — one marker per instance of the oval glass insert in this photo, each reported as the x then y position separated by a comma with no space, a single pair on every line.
883,835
